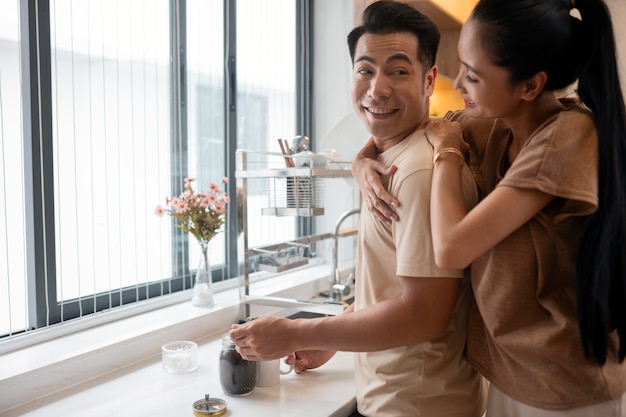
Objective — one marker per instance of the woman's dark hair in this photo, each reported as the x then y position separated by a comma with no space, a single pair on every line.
528,36
386,16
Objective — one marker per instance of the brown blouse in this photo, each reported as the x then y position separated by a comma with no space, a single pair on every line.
523,333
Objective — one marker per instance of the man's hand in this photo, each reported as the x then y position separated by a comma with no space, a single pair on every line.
309,359
264,338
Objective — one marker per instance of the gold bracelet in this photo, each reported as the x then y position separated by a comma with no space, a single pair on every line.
448,150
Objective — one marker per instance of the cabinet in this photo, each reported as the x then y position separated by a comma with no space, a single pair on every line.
287,191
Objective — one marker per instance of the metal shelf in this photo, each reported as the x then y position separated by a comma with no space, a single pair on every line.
301,172
290,191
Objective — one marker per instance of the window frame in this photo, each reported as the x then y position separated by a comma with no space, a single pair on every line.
43,308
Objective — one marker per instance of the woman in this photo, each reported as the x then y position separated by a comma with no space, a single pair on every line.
547,243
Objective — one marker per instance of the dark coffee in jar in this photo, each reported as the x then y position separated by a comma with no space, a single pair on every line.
237,375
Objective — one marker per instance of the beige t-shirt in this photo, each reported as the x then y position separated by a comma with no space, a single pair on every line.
426,379
523,332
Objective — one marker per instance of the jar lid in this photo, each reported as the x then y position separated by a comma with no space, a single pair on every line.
209,407
227,341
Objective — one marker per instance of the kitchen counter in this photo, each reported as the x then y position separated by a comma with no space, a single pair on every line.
144,389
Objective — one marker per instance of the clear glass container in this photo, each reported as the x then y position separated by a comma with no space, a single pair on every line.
237,376
179,357
202,292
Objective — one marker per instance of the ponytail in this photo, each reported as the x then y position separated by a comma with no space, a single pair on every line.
601,269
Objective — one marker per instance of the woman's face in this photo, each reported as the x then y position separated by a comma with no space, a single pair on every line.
484,87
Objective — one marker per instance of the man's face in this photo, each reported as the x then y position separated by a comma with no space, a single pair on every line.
390,90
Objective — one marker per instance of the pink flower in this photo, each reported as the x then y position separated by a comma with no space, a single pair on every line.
225,180
188,181
200,213
181,207
219,208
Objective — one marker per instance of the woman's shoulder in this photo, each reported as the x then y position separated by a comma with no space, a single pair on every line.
575,112
573,126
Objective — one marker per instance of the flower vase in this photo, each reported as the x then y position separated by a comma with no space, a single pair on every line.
202,292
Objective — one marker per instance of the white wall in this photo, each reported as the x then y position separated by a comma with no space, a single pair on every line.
332,68
333,20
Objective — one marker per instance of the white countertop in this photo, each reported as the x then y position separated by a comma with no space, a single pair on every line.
144,389
113,368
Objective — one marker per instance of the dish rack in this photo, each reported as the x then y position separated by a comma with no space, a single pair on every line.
294,191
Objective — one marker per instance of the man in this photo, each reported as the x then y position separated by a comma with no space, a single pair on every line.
408,321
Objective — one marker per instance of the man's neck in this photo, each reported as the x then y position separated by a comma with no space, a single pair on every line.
384,144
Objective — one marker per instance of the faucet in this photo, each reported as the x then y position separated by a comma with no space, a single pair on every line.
337,288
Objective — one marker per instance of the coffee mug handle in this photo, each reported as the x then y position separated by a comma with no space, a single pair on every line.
280,367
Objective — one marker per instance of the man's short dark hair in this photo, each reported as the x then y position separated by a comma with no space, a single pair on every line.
385,17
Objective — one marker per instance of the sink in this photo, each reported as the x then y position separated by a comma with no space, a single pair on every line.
306,315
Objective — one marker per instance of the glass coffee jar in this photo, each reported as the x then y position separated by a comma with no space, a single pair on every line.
237,375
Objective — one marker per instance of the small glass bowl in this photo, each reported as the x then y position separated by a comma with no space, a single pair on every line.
179,357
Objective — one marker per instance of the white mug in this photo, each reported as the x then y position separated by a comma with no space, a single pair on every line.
269,372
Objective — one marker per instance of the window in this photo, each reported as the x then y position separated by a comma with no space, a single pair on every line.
110,134
120,101
13,212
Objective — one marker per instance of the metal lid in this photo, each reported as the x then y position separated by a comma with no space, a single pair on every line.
227,342
209,407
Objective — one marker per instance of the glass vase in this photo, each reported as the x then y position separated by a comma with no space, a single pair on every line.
202,292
